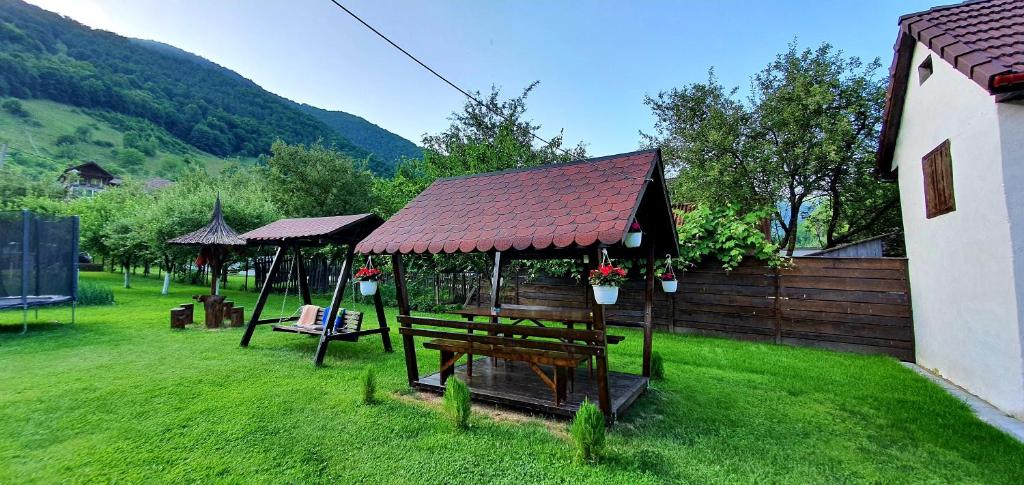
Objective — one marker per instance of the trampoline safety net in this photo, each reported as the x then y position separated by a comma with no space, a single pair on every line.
38,259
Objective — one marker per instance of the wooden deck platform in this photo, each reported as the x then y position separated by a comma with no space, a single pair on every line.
514,385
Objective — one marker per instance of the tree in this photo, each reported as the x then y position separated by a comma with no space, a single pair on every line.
318,181
492,137
186,205
807,132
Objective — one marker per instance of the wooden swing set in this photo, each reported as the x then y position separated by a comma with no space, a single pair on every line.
330,323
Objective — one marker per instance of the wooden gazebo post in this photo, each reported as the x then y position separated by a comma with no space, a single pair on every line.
603,396
648,311
402,295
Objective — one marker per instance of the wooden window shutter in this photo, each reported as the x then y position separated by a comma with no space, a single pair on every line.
938,181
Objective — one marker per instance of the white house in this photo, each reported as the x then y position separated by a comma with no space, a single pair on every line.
953,137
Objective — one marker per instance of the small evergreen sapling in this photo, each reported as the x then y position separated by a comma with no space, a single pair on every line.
369,384
587,431
657,366
456,402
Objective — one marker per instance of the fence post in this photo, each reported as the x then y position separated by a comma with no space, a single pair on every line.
778,305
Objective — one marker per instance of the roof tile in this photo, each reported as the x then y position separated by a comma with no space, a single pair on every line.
564,204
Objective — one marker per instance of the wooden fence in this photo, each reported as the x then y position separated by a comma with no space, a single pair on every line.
851,304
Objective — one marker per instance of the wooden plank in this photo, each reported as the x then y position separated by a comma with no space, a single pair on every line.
888,332
887,297
848,317
506,329
857,284
846,307
505,342
849,263
882,274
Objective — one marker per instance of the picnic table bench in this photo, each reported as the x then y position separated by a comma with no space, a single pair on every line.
561,349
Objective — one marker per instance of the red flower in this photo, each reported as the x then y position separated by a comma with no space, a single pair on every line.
607,275
634,227
367,274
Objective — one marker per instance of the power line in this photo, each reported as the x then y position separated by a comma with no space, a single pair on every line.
435,73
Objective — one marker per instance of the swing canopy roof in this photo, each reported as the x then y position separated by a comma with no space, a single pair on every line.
551,211
216,233
315,231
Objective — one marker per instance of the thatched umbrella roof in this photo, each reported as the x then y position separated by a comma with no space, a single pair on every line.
216,233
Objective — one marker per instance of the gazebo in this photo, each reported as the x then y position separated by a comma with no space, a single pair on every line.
575,210
216,240
295,234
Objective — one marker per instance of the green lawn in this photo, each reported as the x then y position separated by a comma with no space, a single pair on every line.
120,397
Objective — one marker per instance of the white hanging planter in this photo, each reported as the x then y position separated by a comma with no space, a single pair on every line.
669,286
367,287
606,295
632,239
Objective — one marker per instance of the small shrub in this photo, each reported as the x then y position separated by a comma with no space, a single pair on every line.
90,293
369,384
456,402
587,431
14,107
657,366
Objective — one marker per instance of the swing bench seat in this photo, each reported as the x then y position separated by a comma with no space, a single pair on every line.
352,323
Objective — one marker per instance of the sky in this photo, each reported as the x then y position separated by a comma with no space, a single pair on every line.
595,60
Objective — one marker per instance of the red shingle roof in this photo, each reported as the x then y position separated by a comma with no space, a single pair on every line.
571,204
984,40
310,228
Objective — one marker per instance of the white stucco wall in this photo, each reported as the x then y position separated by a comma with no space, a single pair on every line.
967,302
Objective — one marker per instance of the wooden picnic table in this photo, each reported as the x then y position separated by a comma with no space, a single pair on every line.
534,314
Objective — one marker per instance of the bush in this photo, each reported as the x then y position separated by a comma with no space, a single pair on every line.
724,233
94,294
456,402
369,384
14,107
657,366
587,430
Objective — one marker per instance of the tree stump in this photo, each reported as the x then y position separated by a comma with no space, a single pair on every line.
179,317
225,309
237,317
191,312
213,304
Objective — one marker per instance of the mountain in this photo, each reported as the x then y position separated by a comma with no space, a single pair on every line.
209,107
368,136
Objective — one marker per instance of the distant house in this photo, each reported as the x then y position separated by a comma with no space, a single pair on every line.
953,138
156,184
87,179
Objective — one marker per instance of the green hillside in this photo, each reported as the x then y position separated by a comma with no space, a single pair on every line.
211,108
372,138
47,137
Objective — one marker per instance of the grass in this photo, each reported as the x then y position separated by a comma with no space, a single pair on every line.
120,397
49,120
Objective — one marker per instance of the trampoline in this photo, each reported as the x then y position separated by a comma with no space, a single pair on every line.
38,261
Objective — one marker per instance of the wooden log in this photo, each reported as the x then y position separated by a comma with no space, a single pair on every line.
213,304
190,309
237,316
180,317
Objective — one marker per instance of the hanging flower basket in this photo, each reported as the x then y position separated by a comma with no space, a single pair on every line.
606,280
669,283
367,277
634,236
669,286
